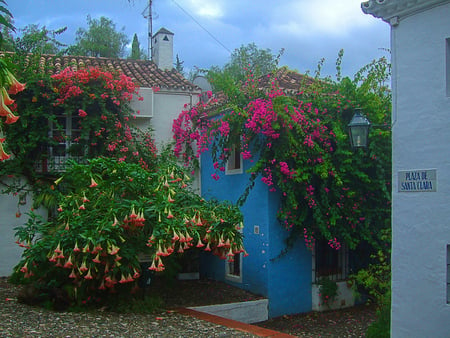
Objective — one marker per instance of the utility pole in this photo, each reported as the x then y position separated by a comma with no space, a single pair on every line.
149,17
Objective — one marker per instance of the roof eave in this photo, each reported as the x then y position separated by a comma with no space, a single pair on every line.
390,9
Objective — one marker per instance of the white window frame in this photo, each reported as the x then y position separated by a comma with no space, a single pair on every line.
229,267
58,162
230,166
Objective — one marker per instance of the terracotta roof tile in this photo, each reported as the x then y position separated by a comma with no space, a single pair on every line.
145,73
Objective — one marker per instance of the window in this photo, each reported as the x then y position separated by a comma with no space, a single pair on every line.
233,268
329,262
234,163
66,133
448,274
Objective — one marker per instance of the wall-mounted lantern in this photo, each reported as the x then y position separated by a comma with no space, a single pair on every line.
359,130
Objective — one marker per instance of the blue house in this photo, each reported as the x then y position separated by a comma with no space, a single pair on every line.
287,277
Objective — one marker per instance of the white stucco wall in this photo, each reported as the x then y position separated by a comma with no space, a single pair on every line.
421,140
167,105
10,252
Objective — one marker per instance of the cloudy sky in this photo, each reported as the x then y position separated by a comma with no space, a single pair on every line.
206,31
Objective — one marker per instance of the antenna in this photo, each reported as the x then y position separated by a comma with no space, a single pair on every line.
148,16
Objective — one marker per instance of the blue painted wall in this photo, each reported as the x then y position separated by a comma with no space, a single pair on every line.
285,280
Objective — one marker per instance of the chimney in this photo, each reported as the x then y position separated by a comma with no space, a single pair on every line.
162,51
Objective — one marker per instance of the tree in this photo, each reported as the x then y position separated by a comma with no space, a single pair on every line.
39,40
135,49
179,65
136,52
244,60
100,39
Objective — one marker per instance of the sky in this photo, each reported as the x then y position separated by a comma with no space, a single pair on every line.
206,32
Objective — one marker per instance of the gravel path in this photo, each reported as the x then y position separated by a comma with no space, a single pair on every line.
20,320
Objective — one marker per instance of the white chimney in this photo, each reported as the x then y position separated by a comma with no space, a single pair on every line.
162,51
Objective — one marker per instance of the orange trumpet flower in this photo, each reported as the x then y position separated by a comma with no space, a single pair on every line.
14,85
3,154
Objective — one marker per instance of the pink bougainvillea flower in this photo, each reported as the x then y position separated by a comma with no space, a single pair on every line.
3,154
81,113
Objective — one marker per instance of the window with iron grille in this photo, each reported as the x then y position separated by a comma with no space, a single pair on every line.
65,134
329,262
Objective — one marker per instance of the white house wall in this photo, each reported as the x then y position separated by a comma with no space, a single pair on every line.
167,105
10,252
421,141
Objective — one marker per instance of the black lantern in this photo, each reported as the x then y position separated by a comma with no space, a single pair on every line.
359,130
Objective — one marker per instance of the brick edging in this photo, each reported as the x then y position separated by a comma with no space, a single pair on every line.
253,329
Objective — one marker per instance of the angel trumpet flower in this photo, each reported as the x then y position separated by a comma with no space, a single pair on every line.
5,97
14,85
11,118
3,154
4,109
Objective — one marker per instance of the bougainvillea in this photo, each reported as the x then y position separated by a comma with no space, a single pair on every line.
297,145
79,114
110,214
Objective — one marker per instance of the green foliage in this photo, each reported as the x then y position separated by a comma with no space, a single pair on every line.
376,278
327,291
136,52
376,281
381,328
39,40
100,39
109,214
179,65
244,60
6,24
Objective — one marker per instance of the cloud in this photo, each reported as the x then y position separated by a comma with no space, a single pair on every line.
203,9
325,17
